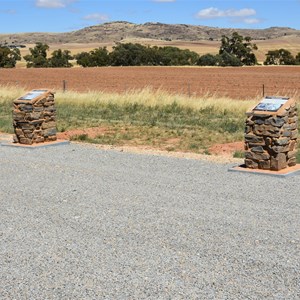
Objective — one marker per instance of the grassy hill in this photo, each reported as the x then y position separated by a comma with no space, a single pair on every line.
118,31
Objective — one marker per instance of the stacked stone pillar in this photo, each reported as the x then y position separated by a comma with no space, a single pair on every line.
271,136
34,118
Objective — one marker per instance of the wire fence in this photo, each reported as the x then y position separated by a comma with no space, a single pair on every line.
236,91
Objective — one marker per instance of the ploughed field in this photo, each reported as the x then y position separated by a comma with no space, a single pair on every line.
232,82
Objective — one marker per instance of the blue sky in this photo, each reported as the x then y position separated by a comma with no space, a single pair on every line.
67,15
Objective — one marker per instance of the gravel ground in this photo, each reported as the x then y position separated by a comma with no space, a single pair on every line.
82,223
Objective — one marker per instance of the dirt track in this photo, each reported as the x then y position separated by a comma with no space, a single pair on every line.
238,83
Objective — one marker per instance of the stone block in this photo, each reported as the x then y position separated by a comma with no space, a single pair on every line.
26,141
264,164
52,138
292,144
257,156
291,154
292,162
19,132
49,132
248,129
48,103
36,122
50,108
278,162
251,164
286,133
47,125
281,141
18,115
249,121
38,109
277,122
26,107
259,121
259,149
281,149
40,139
294,134
293,119
251,138
35,116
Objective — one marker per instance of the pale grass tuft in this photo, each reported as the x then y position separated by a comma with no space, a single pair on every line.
9,92
146,96
150,97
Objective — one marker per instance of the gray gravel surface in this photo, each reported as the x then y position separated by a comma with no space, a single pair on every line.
82,223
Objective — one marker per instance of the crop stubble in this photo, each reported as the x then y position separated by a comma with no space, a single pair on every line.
232,82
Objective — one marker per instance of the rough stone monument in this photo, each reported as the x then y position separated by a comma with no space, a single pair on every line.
271,134
34,117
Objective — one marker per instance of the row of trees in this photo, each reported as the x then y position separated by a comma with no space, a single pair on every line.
137,55
281,57
9,57
38,57
234,51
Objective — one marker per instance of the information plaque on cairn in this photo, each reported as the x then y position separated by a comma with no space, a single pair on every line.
34,117
271,134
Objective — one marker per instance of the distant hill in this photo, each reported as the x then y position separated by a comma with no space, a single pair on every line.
118,31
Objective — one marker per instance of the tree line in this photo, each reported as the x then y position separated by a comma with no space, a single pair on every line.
234,51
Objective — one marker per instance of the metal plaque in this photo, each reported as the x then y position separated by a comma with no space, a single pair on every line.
33,94
271,104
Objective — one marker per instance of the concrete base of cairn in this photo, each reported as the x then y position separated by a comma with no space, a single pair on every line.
271,140
35,122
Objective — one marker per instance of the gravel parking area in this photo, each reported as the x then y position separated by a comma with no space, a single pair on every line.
77,222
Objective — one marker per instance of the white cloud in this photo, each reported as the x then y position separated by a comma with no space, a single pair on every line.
252,21
212,13
244,15
53,3
97,17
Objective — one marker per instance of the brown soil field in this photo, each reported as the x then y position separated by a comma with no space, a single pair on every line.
232,82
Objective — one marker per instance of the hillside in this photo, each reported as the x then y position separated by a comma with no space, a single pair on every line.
118,31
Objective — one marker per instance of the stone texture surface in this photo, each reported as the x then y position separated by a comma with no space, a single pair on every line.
35,122
271,141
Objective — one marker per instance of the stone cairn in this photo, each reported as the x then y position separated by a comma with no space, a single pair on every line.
271,138
34,118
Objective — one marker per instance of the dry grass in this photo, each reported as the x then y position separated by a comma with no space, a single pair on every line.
9,92
145,97
149,97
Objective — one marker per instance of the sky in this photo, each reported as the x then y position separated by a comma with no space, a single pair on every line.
18,16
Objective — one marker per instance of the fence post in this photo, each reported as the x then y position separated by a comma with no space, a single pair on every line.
263,88
64,85
189,89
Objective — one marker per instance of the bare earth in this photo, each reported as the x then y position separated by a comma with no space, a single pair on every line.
238,83
221,153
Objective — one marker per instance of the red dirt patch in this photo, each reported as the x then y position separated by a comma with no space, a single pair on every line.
91,132
227,149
